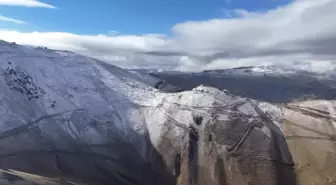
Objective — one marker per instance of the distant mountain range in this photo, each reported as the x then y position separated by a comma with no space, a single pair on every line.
266,83
70,119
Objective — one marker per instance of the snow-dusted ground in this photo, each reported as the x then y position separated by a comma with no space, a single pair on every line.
155,82
67,116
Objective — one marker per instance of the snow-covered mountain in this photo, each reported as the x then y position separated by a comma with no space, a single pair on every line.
155,82
255,70
266,83
69,119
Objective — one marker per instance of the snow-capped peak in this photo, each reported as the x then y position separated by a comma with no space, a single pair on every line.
255,70
77,120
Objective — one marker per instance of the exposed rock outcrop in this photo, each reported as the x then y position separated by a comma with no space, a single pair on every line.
97,124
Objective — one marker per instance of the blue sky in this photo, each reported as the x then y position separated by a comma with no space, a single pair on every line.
186,35
124,16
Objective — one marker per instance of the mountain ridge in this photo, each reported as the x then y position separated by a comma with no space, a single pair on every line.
266,83
70,119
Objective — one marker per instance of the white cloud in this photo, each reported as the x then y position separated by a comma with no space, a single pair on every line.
26,3
113,33
300,34
12,20
237,13
123,50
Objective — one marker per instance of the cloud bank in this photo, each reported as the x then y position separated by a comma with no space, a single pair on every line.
301,34
25,3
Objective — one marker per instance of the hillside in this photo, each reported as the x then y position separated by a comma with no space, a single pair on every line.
69,119
265,83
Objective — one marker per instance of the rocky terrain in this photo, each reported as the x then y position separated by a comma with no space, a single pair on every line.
69,119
